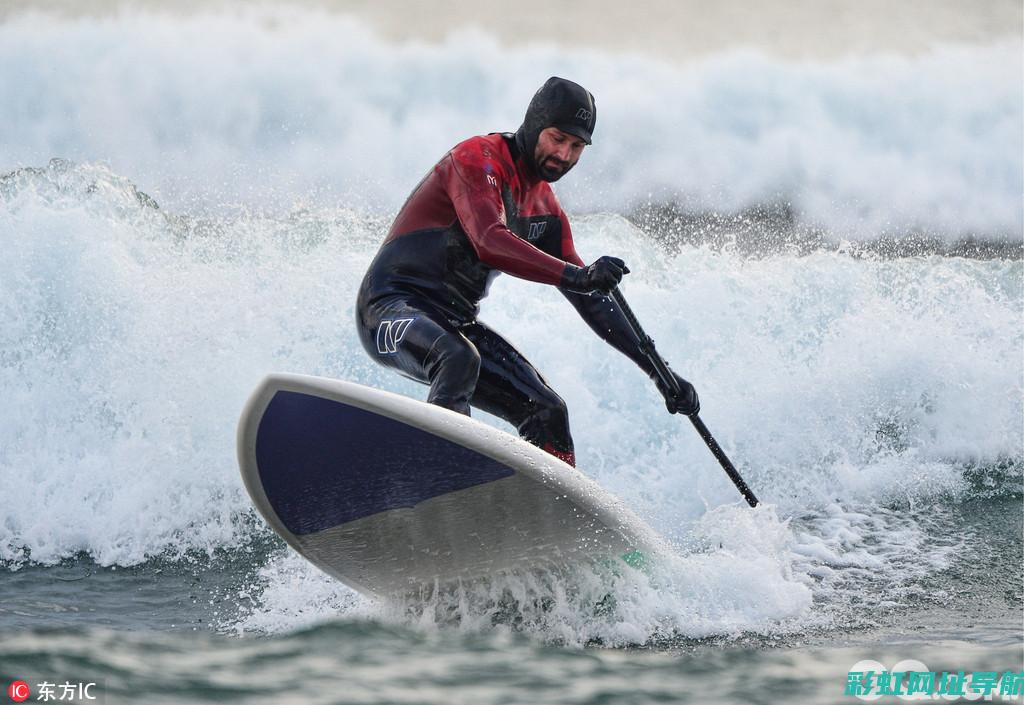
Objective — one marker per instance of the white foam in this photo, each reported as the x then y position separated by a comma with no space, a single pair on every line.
289,593
837,384
131,340
738,581
267,107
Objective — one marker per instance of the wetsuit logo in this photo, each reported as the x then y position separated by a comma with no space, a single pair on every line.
583,114
390,334
536,230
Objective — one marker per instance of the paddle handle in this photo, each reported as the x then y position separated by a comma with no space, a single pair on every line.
669,381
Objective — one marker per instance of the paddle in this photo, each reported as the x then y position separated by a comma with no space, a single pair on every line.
669,380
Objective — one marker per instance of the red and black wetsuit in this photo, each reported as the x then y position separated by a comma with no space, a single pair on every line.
475,214
479,211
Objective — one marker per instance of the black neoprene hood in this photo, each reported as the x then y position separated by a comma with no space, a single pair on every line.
559,103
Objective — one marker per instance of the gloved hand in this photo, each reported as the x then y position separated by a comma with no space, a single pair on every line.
685,402
603,276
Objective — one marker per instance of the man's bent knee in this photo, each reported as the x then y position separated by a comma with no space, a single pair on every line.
453,366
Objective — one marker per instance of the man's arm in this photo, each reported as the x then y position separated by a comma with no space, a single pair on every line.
475,185
606,318
600,312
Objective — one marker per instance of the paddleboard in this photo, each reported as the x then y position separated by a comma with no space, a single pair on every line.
391,495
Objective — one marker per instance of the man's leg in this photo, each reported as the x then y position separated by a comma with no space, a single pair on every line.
421,344
511,388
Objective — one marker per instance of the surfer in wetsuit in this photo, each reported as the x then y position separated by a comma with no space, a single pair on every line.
487,208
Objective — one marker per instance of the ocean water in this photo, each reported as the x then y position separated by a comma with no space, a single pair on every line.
189,201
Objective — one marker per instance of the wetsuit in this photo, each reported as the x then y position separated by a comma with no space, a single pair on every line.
478,212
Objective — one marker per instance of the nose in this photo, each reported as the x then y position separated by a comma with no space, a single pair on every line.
563,152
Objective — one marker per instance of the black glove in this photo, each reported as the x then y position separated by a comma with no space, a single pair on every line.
685,402
603,276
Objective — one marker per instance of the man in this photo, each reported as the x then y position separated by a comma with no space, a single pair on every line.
486,208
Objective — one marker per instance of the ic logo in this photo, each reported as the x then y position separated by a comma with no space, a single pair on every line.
390,334
584,114
18,691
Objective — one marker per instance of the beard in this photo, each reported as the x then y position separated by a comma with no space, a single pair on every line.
552,169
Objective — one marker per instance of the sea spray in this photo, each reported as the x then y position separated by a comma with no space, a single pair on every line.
271,106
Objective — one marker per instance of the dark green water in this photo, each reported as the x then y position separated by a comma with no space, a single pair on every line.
167,632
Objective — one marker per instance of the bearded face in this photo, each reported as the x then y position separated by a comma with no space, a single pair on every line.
557,152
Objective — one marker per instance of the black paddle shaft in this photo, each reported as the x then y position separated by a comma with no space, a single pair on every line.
669,381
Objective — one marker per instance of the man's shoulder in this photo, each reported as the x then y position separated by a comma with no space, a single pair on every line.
483,149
